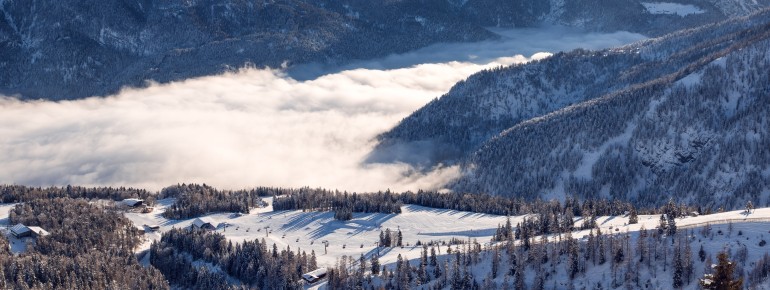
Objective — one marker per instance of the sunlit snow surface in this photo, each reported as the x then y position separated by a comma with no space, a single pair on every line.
307,231
671,8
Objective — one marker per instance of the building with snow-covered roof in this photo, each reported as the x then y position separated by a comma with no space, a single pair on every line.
152,227
314,276
204,223
21,231
133,202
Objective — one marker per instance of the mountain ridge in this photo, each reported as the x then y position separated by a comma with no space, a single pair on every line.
587,148
73,50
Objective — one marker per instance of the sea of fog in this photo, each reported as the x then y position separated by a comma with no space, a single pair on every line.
309,126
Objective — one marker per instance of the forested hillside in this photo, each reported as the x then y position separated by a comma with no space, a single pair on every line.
67,50
680,116
88,248
659,258
694,135
56,50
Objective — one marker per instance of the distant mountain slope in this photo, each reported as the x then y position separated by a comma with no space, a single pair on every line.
683,115
488,102
65,49
642,16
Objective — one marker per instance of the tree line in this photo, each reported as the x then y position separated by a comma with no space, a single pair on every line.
20,193
553,215
194,200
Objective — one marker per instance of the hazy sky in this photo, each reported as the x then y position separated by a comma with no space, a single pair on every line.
255,127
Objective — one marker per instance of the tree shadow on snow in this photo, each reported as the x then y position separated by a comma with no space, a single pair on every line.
439,211
303,220
360,223
469,233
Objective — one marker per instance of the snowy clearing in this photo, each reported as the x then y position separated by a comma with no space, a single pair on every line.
671,8
307,231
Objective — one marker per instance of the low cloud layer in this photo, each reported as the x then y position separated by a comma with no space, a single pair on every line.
239,130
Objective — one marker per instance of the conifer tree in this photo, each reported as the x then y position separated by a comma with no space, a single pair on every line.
662,226
574,262
723,277
375,262
678,270
601,251
362,265
433,259
518,279
495,262
671,228
633,218
313,264
687,262
437,271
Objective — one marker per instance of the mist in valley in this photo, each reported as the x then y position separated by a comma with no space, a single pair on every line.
311,125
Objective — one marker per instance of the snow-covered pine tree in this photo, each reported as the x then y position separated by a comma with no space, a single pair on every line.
433,259
723,277
633,218
677,281
375,262
495,263
671,226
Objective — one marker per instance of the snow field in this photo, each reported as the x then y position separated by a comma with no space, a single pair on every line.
307,231
671,8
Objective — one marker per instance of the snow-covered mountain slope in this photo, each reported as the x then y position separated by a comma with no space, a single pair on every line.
64,49
613,260
683,115
308,231
696,135
55,49
493,100
642,16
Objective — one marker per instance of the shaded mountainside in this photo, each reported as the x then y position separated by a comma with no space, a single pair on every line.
491,101
65,50
55,49
628,15
684,115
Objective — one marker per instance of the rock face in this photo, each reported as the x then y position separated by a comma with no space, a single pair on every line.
680,116
65,49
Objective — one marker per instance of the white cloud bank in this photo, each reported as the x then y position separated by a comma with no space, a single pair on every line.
238,130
